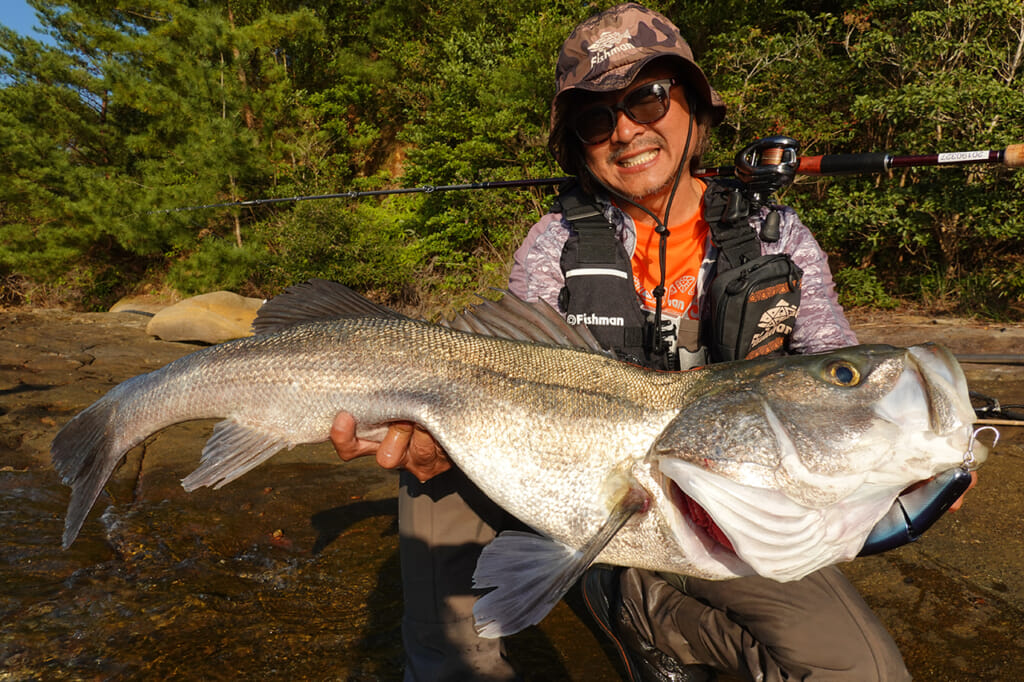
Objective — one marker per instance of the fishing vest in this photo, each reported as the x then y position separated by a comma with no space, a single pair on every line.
754,298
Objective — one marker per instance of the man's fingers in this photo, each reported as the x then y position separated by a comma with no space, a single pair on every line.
409,446
423,449
405,445
392,451
343,438
426,459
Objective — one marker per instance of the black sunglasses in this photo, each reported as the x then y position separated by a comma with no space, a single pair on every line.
646,104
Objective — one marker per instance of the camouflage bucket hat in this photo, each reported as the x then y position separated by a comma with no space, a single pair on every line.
606,52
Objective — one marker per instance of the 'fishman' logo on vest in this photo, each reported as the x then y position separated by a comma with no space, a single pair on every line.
590,319
610,43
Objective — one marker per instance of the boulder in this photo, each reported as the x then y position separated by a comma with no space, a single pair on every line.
208,318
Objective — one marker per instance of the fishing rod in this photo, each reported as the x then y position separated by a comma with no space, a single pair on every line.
357,194
782,151
765,165
991,412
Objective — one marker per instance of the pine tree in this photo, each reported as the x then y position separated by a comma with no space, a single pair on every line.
135,112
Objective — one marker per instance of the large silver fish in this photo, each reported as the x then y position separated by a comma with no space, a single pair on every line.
775,467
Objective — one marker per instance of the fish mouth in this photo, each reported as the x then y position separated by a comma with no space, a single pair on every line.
698,516
934,372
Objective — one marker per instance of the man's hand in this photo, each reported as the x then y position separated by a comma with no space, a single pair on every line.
405,446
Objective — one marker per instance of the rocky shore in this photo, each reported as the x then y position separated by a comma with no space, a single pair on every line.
291,571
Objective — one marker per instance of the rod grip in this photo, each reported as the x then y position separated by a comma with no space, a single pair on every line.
839,164
1014,155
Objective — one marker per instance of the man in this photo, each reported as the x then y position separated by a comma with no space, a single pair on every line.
630,116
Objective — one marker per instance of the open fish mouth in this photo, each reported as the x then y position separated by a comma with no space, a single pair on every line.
698,516
747,530
788,521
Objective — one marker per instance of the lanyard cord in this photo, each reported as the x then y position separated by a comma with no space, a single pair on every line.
661,229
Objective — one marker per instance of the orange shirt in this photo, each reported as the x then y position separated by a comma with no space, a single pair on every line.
687,242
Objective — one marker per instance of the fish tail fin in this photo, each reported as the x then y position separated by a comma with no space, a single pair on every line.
85,453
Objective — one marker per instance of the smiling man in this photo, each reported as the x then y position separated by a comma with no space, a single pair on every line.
628,250
630,120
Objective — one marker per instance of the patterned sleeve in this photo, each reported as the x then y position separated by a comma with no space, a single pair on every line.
820,323
536,269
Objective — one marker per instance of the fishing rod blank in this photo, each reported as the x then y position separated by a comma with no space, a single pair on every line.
357,194
850,164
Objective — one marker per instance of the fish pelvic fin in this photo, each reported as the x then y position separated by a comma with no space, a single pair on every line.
233,449
530,573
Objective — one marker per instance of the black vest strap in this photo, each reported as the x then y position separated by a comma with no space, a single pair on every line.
598,287
727,211
596,235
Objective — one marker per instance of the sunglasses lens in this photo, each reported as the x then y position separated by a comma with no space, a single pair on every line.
647,104
643,105
595,125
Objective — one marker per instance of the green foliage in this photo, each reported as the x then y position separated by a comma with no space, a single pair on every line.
904,77
365,245
862,288
133,112
180,103
215,263
487,120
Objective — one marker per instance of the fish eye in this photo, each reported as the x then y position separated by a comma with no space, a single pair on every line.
842,373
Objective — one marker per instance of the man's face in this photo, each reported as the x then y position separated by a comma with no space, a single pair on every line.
640,160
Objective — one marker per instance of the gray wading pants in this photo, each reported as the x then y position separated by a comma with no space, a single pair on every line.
816,628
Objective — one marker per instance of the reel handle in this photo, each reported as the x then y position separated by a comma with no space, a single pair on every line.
1013,155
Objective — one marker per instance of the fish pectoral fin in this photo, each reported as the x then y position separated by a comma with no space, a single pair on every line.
530,572
233,449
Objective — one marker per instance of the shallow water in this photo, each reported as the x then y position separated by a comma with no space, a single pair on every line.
212,590
291,572
261,581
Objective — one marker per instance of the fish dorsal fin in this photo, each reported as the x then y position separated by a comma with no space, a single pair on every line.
513,318
317,299
507,318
